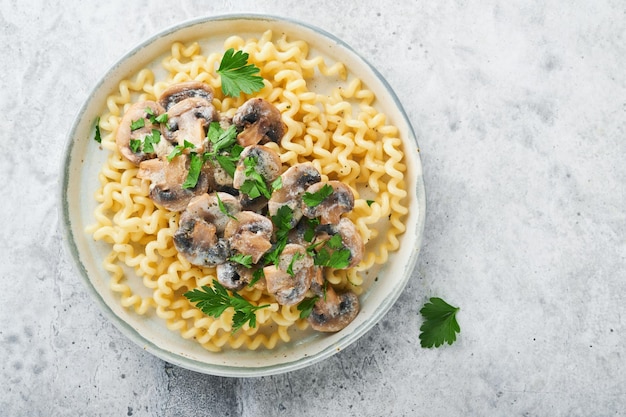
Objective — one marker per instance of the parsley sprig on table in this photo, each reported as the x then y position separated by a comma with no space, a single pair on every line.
440,325
237,75
213,301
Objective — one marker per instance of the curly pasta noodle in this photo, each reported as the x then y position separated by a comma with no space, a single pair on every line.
340,132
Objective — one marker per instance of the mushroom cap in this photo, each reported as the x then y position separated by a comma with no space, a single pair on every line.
124,132
268,164
340,201
167,178
258,121
290,288
188,120
233,276
334,312
181,91
206,207
250,234
295,181
350,238
197,241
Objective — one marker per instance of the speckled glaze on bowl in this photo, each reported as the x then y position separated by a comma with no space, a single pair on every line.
83,160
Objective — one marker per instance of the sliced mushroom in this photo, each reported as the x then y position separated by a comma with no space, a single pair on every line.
333,312
340,201
125,133
258,121
181,91
249,234
167,178
233,276
290,279
268,164
207,207
219,179
198,242
350,238
295,182
188,121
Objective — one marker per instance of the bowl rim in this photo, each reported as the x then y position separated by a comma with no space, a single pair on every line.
179,359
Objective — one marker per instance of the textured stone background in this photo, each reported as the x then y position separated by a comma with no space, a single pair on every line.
519,107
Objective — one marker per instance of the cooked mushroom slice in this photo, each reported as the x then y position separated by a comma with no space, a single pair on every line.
333,312
350,238
181,91
260,159
207,207
232,275
258,121
249,234
137,117
167,179
197,241
340,201
290,279
295,181
188,120
219,179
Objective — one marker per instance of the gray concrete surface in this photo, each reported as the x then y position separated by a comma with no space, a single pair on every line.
520,111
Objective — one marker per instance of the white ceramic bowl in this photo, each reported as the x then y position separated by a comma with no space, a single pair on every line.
83,160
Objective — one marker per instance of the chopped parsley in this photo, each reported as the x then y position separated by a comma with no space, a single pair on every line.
314,199
245,260
295,258
137,124
223,207
98,135
254,185
178,150
195,166
337,257
305,307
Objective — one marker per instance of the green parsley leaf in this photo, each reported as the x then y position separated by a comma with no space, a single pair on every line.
440,325
257,275
295,258
337,259
220,138
135,145
195,166
137,124
162,118
237,75
178,150
223,207
313,199
254,185
150,140
213,301
369,202
305,307
277,184
282,225
335,242
309,232
98,136
240,258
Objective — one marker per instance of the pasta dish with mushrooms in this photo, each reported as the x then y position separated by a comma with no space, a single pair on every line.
241,220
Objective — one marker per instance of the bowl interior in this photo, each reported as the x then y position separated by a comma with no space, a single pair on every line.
84,159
